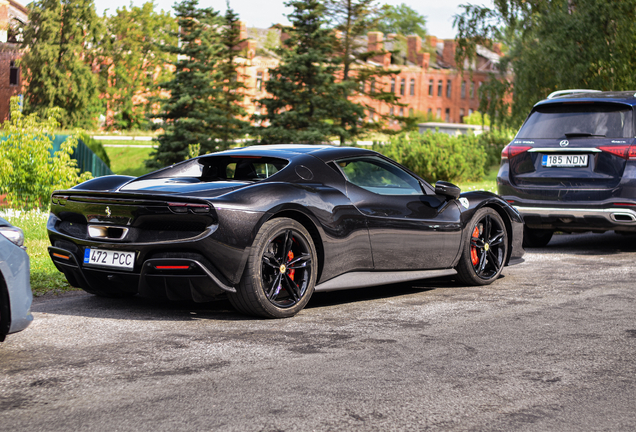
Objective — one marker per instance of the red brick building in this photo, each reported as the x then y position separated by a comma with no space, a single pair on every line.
12,15
434,87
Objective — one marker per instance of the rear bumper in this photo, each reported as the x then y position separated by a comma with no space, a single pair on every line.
171,277
579,219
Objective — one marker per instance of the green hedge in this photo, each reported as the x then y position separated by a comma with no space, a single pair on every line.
95,146
438,156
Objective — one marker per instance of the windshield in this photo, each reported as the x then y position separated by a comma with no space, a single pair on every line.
224,168
571,120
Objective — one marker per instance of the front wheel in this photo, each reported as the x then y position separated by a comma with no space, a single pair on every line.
484,252
281,271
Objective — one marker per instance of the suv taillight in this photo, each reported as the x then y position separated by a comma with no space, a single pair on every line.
511,151
623,151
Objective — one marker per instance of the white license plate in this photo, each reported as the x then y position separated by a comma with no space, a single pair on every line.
564,160
109,258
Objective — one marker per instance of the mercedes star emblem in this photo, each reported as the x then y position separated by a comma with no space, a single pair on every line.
564,143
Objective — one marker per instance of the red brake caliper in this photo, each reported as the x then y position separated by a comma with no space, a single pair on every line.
473,250
290,256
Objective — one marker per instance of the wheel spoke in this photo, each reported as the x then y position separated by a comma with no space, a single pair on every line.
497,239
486,232
270,260
287,244
477,242
494,260
300,262
275,288
482,263
292,288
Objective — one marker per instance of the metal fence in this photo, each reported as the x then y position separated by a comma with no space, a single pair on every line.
86,159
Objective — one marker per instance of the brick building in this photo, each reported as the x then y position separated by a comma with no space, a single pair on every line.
12,15
424,85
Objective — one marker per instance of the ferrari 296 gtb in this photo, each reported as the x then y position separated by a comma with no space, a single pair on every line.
267,226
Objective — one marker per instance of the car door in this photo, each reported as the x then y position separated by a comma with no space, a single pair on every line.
410,228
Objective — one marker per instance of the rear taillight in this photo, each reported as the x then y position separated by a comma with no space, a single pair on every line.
623,151
185,207
511,151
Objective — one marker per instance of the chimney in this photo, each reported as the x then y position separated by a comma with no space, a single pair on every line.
375,42
448,55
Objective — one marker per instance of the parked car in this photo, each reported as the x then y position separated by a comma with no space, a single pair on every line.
572,166
268,225
15,287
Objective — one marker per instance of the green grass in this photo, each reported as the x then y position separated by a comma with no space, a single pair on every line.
489,183
44,276
128,160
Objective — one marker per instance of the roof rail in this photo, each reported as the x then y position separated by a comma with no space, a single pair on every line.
560,93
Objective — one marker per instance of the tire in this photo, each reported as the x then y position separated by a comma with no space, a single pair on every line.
484,252
281,271
534,238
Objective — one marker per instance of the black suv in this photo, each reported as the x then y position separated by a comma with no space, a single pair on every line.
572,166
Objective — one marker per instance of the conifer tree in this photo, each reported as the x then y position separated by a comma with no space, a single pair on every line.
205,91
307,103
60,39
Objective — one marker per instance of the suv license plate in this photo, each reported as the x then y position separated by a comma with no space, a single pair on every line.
109,258
564,160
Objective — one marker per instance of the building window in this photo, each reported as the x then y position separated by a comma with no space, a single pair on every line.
447,115
259,81
430,87
391,111
410,112
463,89
461,115
472,89
412,91
430,113
393,85
14,74
401,112
440,87
439,113
448,88
372,86
402,86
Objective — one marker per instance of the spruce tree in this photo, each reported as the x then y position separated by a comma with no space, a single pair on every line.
205,91
60,39
307,103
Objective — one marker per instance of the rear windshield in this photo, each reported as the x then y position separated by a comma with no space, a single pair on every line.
579,120
224,168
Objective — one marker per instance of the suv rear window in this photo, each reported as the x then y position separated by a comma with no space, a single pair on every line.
569,120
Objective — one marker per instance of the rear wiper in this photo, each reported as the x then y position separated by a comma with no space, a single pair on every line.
581,134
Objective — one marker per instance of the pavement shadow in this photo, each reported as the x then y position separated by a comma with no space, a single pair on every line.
79,303
608,243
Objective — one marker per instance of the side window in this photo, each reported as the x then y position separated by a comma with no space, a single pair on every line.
379,176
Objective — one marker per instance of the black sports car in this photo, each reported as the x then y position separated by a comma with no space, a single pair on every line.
268,225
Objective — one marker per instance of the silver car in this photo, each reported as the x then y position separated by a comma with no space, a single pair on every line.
15,286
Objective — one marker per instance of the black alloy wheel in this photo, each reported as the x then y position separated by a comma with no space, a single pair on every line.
485,251
281,271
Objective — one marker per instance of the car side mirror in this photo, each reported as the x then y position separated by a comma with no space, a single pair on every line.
447,189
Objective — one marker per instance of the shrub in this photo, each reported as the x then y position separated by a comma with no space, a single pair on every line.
493,142
28,172
438,156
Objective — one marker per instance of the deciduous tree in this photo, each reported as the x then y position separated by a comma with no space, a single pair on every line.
60,40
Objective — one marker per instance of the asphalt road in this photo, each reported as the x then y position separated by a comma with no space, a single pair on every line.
550,346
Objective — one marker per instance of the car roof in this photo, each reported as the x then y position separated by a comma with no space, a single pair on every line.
623,97
290,151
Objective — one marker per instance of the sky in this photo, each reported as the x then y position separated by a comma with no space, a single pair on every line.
264,13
